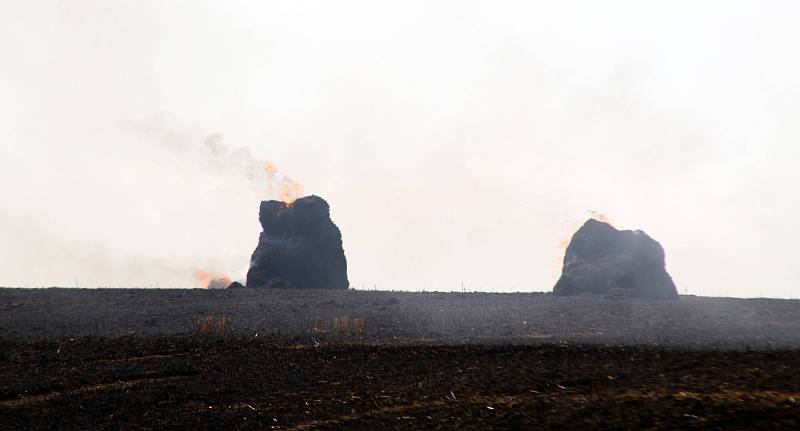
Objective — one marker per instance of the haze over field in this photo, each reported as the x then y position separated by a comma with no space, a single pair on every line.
456,142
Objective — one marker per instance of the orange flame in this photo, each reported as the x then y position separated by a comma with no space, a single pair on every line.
290,190
207,280
600,217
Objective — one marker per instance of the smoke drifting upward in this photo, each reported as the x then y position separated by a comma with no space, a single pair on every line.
217,156
166,205
221,161
288,189
270,168
677,118
207,280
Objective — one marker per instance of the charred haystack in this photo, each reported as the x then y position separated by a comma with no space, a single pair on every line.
299,247
601,259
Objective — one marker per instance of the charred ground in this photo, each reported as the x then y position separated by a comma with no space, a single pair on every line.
230,383
111,359
404,317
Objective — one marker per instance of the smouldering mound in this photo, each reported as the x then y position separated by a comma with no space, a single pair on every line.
299,247
601,259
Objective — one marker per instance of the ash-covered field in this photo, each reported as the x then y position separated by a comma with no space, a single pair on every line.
403,317
324,359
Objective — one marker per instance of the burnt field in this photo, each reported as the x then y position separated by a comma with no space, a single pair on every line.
233,383
403,317
261,359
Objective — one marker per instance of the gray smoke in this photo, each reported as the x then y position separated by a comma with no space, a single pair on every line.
464,151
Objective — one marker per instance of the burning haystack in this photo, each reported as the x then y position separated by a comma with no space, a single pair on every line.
299,247
601,259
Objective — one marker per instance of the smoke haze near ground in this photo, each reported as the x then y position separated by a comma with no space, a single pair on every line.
457,142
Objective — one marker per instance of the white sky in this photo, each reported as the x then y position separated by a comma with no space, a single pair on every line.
457,142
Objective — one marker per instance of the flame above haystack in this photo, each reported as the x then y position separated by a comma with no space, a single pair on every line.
288,189
599,216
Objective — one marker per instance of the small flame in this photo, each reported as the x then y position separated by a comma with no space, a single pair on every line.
290,190
600,217
207,280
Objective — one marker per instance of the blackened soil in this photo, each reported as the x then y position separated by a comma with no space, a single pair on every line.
404,317
189,382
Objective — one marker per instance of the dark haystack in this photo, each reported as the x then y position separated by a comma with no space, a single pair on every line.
603,260
299,247
279,283
235,285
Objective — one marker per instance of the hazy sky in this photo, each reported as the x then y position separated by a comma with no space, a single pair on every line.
456,142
